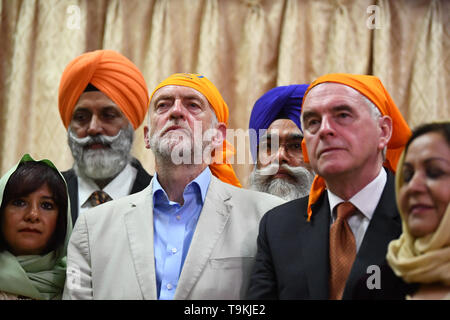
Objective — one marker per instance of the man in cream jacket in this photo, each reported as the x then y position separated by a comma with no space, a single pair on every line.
191,234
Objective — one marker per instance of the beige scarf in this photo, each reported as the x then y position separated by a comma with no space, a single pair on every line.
425,259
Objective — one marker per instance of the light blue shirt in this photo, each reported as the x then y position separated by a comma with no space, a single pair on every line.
174,226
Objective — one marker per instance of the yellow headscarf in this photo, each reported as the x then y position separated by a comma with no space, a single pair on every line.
222,169
372,88
425,259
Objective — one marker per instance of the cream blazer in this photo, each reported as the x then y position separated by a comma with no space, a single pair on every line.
110,253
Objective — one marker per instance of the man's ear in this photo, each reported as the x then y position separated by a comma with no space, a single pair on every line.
385,123
147,137
220,136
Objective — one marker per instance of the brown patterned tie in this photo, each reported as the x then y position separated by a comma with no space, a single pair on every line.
342,250
99,197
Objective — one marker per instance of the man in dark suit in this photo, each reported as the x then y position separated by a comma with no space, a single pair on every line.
319,246
102,100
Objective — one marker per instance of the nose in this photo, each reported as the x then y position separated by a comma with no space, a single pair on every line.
326,127
32,214
417,183
177,111
95,126
282,154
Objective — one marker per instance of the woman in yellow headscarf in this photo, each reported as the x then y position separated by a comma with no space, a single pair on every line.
422,253
418,262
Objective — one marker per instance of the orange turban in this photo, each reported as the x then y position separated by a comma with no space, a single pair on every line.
372,88
111,73
222,170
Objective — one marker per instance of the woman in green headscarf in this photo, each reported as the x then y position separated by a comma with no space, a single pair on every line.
35,227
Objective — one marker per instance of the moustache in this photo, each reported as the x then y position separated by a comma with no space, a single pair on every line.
273,168
180,127
91,140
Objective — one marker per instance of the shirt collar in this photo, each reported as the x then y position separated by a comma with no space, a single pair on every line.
201,181
366,200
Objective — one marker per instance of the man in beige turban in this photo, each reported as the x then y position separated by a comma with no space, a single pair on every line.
102,100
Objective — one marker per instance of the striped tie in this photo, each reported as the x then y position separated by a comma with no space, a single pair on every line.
99,197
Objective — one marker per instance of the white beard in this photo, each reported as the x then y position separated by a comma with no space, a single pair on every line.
181,146
101,163
174,144
262,180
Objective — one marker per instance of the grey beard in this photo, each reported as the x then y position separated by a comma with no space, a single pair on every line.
262,180
181,146
101,163
173,144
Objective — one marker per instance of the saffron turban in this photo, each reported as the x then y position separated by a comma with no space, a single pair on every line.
372,88
282,102
222,169
111,73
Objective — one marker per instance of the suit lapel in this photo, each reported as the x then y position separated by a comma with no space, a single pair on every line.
72,187
142,177
139,225
141,182
384,226
211,223
315,248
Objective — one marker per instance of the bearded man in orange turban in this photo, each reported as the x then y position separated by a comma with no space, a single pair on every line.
102,100
191,234
319,246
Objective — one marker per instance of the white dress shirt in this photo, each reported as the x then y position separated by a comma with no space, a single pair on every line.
119,187
366,200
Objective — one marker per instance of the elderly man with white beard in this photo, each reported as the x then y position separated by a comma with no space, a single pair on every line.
275,123
191,234
102,100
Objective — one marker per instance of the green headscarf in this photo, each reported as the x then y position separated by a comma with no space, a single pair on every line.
35,276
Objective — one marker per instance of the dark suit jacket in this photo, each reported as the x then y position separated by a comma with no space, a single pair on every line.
391,287
292,261
142,180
